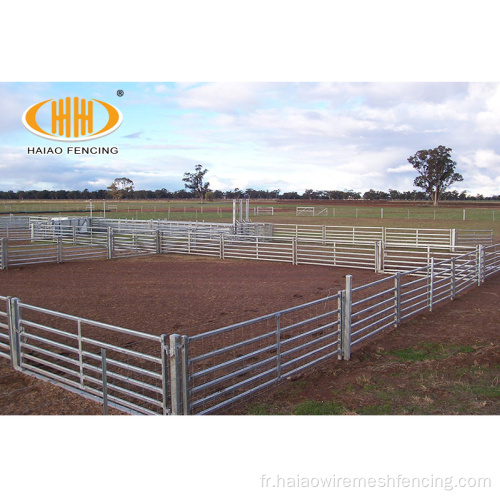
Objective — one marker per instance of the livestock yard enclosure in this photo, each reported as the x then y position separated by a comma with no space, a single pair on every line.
212,314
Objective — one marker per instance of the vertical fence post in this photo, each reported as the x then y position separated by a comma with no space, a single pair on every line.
294,251
397,299
346,318
278,346
158,240
59,250
340,302
431,285
480,264
380,256
110,242
453,238
164,373
4,247
104,382
221,246
14,324
175,374
80,353
184,354
453,277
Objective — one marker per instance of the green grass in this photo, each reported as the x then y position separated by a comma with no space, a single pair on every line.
310,407
381,409
467,385
428,351
350,213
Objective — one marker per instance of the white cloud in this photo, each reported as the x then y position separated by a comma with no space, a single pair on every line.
222,96
401,168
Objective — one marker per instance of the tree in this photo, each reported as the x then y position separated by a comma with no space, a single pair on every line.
436,169
120,187
195,183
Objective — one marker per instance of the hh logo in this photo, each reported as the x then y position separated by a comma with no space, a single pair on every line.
72,119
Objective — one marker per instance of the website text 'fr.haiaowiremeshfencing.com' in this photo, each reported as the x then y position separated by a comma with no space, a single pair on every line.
447,483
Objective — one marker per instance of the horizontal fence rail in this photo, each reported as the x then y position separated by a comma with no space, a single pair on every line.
396,258
345,234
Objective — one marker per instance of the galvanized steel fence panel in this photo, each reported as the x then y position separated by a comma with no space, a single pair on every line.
68,350
491,259
467,237
402,258
224,366
419,237
125,244
261,248
35,253
332,253
398,236
346,234
190,243
208,228
384,303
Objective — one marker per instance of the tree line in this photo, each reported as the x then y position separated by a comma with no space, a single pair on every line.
435,167
254,194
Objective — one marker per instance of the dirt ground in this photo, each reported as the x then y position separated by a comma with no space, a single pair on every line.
411,369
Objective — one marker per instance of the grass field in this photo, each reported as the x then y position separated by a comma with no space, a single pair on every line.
190,209
466,215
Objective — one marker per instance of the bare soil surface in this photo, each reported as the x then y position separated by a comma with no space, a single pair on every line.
444,362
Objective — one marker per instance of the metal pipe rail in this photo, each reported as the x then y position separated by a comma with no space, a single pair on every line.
57,349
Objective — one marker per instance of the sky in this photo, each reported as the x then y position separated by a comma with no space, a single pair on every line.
289,136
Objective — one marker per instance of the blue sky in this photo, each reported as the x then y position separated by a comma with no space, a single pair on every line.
287,136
